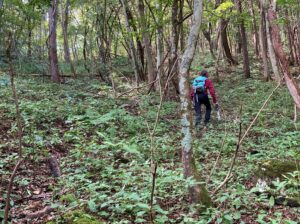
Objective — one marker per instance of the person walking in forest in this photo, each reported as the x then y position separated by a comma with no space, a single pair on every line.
199,94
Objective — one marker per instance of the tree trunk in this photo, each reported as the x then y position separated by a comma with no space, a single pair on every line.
290,34
198,193
225,44
174,39
160,46
283,62
52,46
255,36
146,40
272,55
84,50
65,18
263,40
244,43
29,50
134,60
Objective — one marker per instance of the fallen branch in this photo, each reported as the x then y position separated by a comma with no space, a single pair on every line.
9,189
40,213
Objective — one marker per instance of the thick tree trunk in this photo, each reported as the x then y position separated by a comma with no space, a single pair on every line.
134,60
244,43
263,41
52,46
65,18
198,193
225,44
283,61
146,40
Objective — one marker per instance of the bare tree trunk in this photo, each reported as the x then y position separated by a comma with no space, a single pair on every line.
283,62
54,71
263,40
173,66
255,36
291,35
146,39
246,65
198,193
225,44
65,18
160,46
84,50
134,60
272,55
29,43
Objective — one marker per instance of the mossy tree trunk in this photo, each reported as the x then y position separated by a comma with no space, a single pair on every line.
198,193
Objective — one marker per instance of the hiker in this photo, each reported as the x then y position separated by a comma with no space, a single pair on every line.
200,96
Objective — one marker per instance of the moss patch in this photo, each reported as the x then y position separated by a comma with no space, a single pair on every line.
276,168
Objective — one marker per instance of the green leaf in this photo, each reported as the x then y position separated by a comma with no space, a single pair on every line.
92,205
272,201
143,206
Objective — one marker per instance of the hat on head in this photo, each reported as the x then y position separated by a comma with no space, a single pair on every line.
204,73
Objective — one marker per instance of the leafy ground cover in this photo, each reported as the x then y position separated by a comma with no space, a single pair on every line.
103,145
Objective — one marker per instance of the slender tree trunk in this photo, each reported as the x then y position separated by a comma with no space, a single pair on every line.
283,62
198,193
263,40
140,50
255,36
246,64
84,50
225,44
135,63
29,50
290,34
180,28
146,40
207,36
272,55
54,71
65,18
160,45
173,66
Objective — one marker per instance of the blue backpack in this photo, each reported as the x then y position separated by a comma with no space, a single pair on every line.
199,84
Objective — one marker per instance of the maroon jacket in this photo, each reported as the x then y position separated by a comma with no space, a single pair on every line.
208,86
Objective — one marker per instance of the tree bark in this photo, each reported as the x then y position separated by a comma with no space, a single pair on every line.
272,55
246,65
65,18
134,60
255,36
263,40
52,46
198,193
283,62
225,44
146,40
29,43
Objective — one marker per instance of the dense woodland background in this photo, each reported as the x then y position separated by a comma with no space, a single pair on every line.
96,121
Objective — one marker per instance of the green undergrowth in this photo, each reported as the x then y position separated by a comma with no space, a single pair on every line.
104,148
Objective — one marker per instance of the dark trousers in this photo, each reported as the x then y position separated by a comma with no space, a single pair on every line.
199,99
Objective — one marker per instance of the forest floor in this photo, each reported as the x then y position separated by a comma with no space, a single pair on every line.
103,145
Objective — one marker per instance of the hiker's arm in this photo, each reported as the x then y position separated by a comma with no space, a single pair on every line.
212,90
